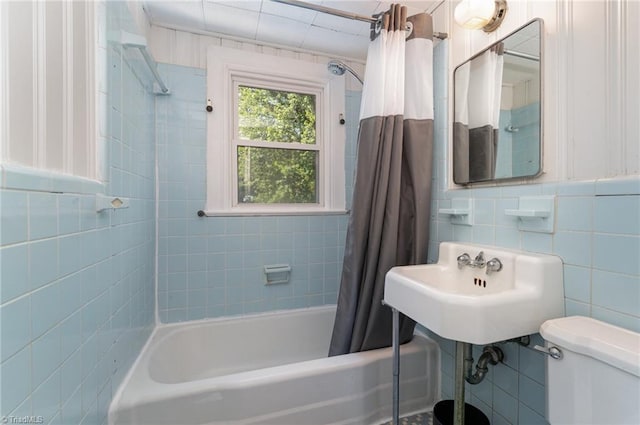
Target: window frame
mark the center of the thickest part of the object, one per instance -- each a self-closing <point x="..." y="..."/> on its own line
<point x="227" y="69"/>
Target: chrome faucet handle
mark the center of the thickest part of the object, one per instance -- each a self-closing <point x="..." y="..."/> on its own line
<point x="494" y="265"/>
<point x="479" y="260"/>
<point x="463" y="260"/>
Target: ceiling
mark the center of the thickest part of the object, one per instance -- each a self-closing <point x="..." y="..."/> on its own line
<point x="275" y="23"/>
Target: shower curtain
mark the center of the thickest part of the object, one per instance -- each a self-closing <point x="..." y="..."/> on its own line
<point x="389" y="223"/>
<point x="478" y="93"/>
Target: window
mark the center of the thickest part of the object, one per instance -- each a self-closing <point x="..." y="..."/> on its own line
<point x="274" y="144"/>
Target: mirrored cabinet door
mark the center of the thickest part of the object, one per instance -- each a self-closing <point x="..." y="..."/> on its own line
<point x="497" y="129"/>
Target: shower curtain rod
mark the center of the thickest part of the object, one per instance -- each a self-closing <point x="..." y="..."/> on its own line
<point x="522" y="55"/>
<point x="342" y="14"/>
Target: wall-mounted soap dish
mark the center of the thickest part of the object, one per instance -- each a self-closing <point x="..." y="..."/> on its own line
<point x="104" y="202"/>
<point x="277" y="273"/>
<point x="461" y="211"/>
<point x="535" y="213"/>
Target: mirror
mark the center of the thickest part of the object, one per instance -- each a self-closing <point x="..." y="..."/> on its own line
<point x="497" y="129"/>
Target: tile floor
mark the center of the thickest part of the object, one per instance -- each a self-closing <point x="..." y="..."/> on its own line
<point x="424" y="418"/>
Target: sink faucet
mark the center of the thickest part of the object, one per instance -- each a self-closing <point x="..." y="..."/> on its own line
<point x="494" y="265"/>
<point x="463" y="260"/>
<point x="478" y="261"/>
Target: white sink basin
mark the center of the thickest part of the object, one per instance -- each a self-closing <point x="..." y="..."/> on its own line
<point x="472" y="306"/>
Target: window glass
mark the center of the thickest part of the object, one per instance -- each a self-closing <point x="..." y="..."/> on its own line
<point x="277" y="176"/>
<point x="276" y="115"/>
<point x="277" y="152"/>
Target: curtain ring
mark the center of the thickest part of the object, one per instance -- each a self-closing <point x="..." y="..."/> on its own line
<point x="408" y="28"/>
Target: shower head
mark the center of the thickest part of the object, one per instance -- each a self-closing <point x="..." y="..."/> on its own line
<point x="338" y="68"/>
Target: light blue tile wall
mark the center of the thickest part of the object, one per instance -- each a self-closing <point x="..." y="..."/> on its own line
<point x="213" y="266"/>
<point x="518" y="153"/>
<point x="526" y="155"/>
<point x="598" y="237"/>
<point x="504" y="155"/>
<point x="77" y="288"/>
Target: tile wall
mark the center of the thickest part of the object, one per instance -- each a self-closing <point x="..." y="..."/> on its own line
<point x="525" y="153"/>
<point x="77" y="287"/>
<point x="504" y="162"/>
<point x="518" y="153"/>
<point x="598" y="237"/>
<point x="213" y="266"/>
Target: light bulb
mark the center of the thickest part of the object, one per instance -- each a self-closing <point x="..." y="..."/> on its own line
<point x="474" y="14"/>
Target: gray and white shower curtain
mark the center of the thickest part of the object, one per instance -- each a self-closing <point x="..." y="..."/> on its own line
<point x="478" y="91"/>
<point x="389" y="223"/>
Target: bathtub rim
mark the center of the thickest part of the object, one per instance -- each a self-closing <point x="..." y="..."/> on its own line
<point x="169" y="328"/>
<point x="239" y="379"/>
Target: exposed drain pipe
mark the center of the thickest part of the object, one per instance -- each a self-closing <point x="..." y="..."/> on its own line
<point x="464" y="364"/>
<point x="490" y="355"/>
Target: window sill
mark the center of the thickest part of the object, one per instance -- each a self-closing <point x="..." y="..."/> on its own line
<point x="272" y="212"/>
<point x="27" y="178"/>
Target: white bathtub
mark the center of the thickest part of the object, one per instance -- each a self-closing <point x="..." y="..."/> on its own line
<point x="269" y="369"/>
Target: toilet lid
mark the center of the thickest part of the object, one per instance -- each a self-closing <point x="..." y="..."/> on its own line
<point x="605" y="342"/>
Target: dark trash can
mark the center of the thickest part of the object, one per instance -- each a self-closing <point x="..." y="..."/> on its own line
<point x="443" y="414"/>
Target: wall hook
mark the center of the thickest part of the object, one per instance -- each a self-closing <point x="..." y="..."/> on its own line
<point x="342" y="121"/>
<point x="209" y="105"/>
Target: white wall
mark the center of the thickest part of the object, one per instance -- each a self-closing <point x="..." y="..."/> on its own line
<point x="190" y="49"/>
<point x="591" y="85"/>
<point x="48" y="85"/>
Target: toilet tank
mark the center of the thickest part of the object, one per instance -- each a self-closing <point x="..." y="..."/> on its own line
<point x="597" y="381"/>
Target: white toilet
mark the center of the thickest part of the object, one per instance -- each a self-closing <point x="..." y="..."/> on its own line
<point x="597" y="380"/>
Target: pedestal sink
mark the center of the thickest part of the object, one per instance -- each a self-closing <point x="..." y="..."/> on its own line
<point x="470" y="302"/>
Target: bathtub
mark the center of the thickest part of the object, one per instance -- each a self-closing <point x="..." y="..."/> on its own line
<point x="269" y="368"/>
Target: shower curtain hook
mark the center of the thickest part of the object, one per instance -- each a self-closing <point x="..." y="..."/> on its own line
<point x="378" y="23"/>
<point x="408" y="29"/>
<point x="376" y="26"/>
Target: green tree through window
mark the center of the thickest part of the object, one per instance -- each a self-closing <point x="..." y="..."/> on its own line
<point x="274" y="174"/>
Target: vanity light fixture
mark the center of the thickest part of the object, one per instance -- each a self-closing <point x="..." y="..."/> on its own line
<point x="477" y="14"/>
